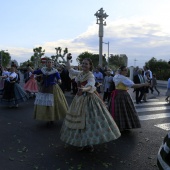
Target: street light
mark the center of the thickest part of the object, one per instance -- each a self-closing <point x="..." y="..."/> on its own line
<point x="107" y="52"/>
<point x="101" y="16"/>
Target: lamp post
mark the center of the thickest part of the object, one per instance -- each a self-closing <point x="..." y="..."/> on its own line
<point x="107" y="52"/>
<point x="101" y="16"/>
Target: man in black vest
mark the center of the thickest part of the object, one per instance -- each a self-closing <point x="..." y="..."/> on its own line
<point x="139" y="79"/>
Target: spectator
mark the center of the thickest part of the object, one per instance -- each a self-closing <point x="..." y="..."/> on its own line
<point x="139" y="79"/>
<point x="154" y="83"/>
<point x="98" y="79"/>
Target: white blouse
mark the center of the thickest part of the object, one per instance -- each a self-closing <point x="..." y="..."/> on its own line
<point x="90" y="82"/>
<point x="122" y="79"/>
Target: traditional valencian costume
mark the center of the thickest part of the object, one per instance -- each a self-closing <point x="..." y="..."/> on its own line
<point x="50" y="102"/>
<point x="88" y="121"/>
<point x="13" y="93"/>
<point x="121" y="105"/>
<point x="31" y="85"/>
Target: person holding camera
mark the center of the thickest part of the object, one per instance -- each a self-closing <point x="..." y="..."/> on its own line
<point x="88" y="121"/>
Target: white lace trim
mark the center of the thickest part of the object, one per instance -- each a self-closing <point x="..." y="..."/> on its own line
<point x="44" y="99"/>
<point x="46" y="72"/>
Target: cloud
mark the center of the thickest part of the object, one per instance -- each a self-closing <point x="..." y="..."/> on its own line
<point x="138" y="38"/>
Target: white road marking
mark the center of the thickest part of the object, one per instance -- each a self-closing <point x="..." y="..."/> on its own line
<point x="164" y="126"/>
<point x="150" y="103"/>
<point x="154" y="116"/>
<point x="159" y="108"/>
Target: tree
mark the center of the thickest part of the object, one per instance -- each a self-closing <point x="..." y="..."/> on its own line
<point x="159" y="67"/>
<point x="5" y="56"/>
<point x="116" y="61"/>
<point x="36" y="58"/>
<point x="93" y="57"/>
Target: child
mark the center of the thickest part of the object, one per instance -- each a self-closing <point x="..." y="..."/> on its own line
<point x="168" y="91"/>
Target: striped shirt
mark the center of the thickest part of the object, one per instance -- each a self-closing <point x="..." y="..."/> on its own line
<point x="163" y="158"/>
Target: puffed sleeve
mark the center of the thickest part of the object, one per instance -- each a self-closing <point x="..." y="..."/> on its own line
<point x="91" y="82"/>
<point x="127" y="82"/>
<point x="73" y="73"/>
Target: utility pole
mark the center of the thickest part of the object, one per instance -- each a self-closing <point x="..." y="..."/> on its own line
<point x="107" y="52"/>
<point x="101" y="16"/>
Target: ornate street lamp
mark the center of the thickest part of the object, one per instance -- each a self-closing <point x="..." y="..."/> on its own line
<point x="101" y="16"/>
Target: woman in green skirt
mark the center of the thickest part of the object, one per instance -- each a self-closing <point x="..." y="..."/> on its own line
<point x="50" y="102"/>
<point x="88" y="121"/>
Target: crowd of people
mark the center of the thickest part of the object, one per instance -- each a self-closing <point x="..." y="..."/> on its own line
<point x="90" y="119"/>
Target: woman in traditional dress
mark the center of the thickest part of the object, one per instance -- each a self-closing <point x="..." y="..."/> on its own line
<point x="50" y="102"/>
<point x="13" y="93"/>
<point x="121" y="105"/>
<point x="31" y="85"/>
<point x="88" y="121"/>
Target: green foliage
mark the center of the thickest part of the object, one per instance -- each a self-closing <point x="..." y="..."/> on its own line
<point x="5" y="58"/>
<point x="116" y="61"/>
<point x="159" y="67"/>
<point x="36" y="58"/>
<point x="93" y="57"/>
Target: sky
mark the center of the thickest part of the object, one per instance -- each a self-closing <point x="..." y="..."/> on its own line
<point x="139" y="29"/>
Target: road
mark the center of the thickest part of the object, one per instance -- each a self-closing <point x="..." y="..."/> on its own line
<point x="27" y="144"/>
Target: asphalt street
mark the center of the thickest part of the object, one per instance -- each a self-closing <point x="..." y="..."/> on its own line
<point x="27" y="144"/>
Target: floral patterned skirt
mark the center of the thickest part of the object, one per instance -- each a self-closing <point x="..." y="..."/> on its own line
<point x="99" y="127"/>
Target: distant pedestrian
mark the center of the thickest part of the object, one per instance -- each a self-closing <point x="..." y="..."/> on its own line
<point x="154" y="83"/>
<point x="139" y="79"/>
<point x="168" y="91"/>
<point x="98" y="79"/>
<point x="108" y="80"/>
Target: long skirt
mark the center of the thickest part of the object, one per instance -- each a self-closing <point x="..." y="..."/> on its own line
<point x="13" y="94"/>
<point x="124" y="112"/>
<point x="50" y="112"/>
<point x="31" y="86"/>
<point x="94" y="123"/>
